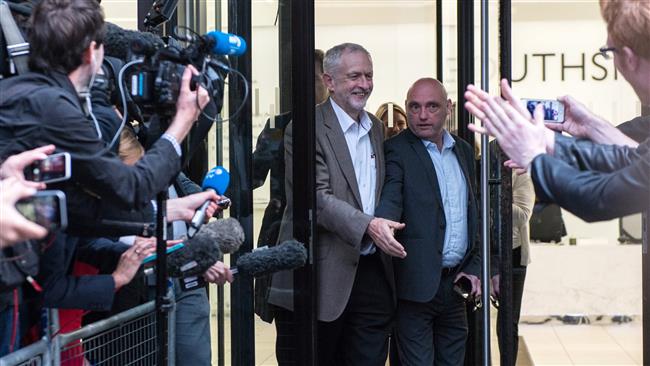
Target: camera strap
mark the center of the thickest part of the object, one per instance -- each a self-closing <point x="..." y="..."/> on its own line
<point x="17" y="47"/>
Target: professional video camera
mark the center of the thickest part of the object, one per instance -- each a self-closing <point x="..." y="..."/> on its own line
<point x="154" y="75"/>
<point x="146" y="70"/>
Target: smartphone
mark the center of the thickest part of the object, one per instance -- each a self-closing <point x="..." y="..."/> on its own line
<point x="463" y="287"/>
<point x="46" y="208"/>
<point x="553" y="109"/>
<point x="54" y="168"/>
<point x="171" y="249"/>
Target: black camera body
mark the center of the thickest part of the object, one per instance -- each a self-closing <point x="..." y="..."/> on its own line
<point x="154" y="83"/>
<point x="156" y="87"/>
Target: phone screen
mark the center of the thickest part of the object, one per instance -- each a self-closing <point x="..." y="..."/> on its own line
<point x="46" y="208"/>
<point x="553" y="109"/>
<point x="54" y="168"/>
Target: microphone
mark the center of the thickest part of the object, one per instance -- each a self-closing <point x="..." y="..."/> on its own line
<point x="199" y="254"/>
<point x="290" y="254"/>
<point x="228" y="233"/>
<point x="217" y="179"/>
<point x="203" y="250"/>
<point x="225" y="43"/>
<point x="118" y="41"/>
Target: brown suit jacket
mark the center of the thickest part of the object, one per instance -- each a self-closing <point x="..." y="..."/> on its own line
<point x="341" y="221"/>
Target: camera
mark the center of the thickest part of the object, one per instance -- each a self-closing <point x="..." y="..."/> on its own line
<point x="154" y="79"/>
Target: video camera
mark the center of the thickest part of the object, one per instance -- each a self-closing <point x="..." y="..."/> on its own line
<point x="154" y="75"/>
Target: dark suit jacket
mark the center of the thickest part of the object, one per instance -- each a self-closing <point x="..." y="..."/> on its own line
<point x="412" y="195"/>
<point x="341" y="221"/>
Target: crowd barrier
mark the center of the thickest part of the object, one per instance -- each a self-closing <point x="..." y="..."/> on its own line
<point x="127" y="338"/>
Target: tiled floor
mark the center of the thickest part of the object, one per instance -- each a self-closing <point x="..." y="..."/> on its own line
<point x="584" y="344"/>
<point x="588" y="345"/>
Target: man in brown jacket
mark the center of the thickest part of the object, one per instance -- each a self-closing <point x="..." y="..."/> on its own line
<point x="356" y="298"/>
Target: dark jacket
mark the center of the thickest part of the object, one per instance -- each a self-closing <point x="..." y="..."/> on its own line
<point x="38" y="109"/>
<point x="594" y="182"/>
<point x="63" y="290"/>
<point x="268" y="157"/>
<point x="411" y="195"/>
<point x="638" y="129"/>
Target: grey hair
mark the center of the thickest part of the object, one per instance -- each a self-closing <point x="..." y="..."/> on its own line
<point x="332" y="58"/>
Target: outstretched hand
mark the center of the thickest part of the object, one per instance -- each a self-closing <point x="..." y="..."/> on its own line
<point x="382" y="233"/>
<point x="520" y="137"/>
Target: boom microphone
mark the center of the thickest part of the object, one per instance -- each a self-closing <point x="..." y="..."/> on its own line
<point x="199" y="254"/>
<point x="117" y="42"/>
<point x="217" y="179"/>
<point x="290" y="254"/>
<point x="228" y="233"/>
<point x="205" y="248"/>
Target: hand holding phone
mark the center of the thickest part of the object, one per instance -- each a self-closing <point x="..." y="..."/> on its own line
<point x="463" y="287"/>
<point x="46" y="208"/>
<point x="553" y="109"/>
<point x="15" y="165"/>
<point x="15" y="227"/>
<point x="54" y="168"/>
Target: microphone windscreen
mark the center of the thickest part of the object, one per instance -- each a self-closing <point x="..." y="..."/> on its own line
<point x="290" y="254"/>
<point x="218" y="179"/>
<point x="227" y="44"/>
<point x="117" y="41"/>
<point x="199" y="254"/>
<point x="227" y="233"/>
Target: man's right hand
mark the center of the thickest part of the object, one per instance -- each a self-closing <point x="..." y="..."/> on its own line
<point x="183" y="208"/>
<point x="188" y="106"/>
<point x="382" y="233"/>
<point x="579" y="122"/>
<point x="15" y="165"/>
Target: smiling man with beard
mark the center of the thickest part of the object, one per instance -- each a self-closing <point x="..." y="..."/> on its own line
<point x="356" y="297"/>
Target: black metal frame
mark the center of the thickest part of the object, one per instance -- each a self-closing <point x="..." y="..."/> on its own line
<point x="465" y="76"/>
<point x="241" y="163"/>
<point x="503" y="219"/>
<point x="304" y="175"/>
<point x="439" y="47"/>
<point x="485" y="194"/>
<point x="645" y="284"/>
<point x="465" y="44"/>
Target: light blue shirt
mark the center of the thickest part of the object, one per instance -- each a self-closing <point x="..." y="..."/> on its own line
<point x="357" y="137"/>
<point x="453" y="191"/>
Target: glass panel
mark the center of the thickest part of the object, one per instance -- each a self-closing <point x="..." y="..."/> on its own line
<point x="554" y="53"/>
<point x="268" y="122"/>
<point x="400" y="35"/>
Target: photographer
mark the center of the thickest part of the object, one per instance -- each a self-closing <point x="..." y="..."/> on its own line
<point x="591" y="180"/>
<point x="47" y="107"/>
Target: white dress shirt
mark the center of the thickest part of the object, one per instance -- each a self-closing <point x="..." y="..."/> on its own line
<point x="357" y="136"/>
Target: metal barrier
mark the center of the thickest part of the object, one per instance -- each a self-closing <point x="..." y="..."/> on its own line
<point x="127" y="338"/>
<point x="36" y="354"/>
